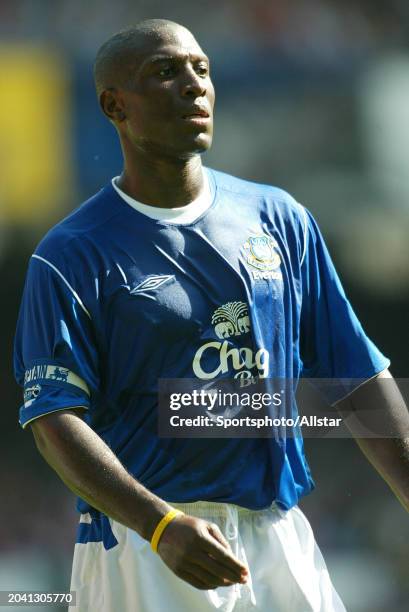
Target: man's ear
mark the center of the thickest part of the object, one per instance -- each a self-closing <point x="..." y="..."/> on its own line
<point x="112" y="106"/>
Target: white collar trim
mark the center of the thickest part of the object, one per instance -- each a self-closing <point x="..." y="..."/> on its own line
<point x="181" y="214"/>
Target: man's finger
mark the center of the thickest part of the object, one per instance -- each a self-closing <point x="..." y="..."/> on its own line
<point x="216" y="568"/>
<point x="192" y="579"/>
<point x="223" y="555"/>
<point x="210" y="578"/>
<point x="216" y="533"/>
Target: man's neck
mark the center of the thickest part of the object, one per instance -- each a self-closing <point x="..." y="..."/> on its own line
<point x="163" y="182"/>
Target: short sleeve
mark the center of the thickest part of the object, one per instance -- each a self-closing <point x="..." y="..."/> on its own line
<point x="333" y="344"/>
<point x="55" y="355"/>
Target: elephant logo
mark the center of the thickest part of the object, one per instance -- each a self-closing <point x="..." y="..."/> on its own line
<point x="231" y="319"/>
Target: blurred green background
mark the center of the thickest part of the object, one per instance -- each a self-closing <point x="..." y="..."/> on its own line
<point x="312" y="96"/>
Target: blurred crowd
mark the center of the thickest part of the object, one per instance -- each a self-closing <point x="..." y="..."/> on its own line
<point x="308" y="31"/>
<point x="312" y="96"/>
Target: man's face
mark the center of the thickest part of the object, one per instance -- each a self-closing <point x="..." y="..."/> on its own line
<point x="168" y="101"/>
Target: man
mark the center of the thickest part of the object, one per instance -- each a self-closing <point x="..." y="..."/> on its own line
<point x="176" y="271"/>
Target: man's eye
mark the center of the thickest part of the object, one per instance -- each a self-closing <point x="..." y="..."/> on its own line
<point x="202" y="70"/>
<point x="165" y="72"/>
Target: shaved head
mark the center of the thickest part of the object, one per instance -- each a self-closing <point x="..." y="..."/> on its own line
<point x="153" y="83"/>
<point x="118" y="57"/>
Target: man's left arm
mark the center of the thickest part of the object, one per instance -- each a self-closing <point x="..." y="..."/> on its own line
<point x="377" y="416"/>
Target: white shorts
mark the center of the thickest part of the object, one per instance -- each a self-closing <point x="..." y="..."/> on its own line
<point x="287" y="571"/>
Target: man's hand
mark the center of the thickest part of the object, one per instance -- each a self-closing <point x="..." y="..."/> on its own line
<point x="193" y="549"/>
<point x="197" y="552"/>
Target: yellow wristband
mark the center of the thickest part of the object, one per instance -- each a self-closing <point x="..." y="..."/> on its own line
<point x="161" y="526"/>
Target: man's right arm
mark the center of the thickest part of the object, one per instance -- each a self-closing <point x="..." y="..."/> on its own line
<point x="193" y="549"/>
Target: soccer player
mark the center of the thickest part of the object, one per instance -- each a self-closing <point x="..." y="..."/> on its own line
<point x="174" y="270"/>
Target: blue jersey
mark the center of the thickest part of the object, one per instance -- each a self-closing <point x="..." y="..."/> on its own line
<point x="115" y="300"/>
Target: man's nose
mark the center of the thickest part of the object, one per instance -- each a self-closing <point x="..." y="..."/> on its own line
<point x="193" y="85"/>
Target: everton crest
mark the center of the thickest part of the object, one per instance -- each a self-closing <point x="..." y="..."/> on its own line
<point x="260" y="252"/>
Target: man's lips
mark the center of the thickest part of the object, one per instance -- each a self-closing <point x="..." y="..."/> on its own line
<point x="198" y="117"/>
<point x="197" y="113"/>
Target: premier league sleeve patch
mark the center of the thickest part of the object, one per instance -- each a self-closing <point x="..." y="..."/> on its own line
<point x="50" y="387"/>
<point x="53" y="374"/>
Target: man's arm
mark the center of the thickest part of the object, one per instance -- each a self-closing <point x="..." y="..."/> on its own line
<point x="193" y="549"/>
<point x="377" y="408"/>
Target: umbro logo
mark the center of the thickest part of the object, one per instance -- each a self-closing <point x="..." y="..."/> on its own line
<point x="152" y="282"/>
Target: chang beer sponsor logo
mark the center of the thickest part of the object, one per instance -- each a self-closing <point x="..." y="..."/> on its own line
<point x="230" y="320"/>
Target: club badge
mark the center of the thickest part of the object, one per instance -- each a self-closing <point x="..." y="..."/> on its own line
<point x="260" y="252"/>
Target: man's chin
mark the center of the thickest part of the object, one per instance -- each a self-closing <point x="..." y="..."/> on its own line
<point x="200" y="144"/>
<point x="186" y="150"/>
<point x="181" y="149"/>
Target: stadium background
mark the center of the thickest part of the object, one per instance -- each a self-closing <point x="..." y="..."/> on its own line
<point x="311" y="96"/>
